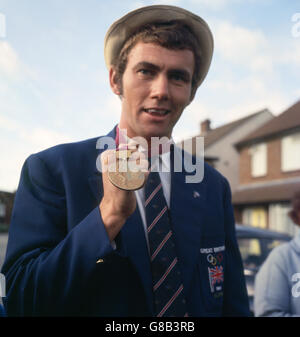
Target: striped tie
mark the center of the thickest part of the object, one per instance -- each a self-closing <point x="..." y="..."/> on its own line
<point x="168" y="293"/>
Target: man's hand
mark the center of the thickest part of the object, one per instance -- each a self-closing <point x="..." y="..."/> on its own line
<point x="116" y="205"/>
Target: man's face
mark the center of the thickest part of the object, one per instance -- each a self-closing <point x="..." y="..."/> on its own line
<point x="156" y="87"/>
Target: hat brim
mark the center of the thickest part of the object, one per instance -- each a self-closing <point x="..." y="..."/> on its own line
<point x="121" y="30"/>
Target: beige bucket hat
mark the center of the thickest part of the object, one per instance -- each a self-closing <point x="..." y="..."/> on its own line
<point x="122" y="29"/>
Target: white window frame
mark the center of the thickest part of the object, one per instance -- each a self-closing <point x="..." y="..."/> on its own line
<point x="258" y="154"/>
<point x="290" y="152"/>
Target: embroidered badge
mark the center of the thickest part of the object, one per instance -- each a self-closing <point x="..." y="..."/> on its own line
<point x="216" y="276"/>
<point x="212" y="250"/>
<point x="196" y="194"/>
<point x="218" y="294"/>
<point x="211" y="259"/>
<point x="219" y="257"/>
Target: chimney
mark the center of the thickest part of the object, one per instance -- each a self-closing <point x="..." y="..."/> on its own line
<point x="205" y="126"/>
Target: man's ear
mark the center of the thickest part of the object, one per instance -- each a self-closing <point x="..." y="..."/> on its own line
<point x="114" y="82"/>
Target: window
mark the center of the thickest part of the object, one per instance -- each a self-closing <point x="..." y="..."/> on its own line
<point x="258" y="160"/>
<point x="255" y="216"/>
<point x="290" y="152"/>
<point x="279" y="219"/>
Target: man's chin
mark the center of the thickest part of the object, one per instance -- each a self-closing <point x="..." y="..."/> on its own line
<point x="153" y="131"/>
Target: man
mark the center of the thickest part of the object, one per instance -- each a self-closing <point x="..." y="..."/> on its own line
<point x="79" y="245"/>
<point x="277" y="284"/>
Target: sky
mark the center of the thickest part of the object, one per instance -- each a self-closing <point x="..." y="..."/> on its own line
<point x="54" y="85"/>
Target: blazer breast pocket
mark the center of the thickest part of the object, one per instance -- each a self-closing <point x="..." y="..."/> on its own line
<point x="211" y="266"/>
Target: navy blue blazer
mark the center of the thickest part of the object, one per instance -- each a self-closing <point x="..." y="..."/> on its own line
<point x="60" y="261"/>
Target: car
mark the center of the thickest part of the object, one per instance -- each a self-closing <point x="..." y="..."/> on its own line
<point x="255" y="244"/>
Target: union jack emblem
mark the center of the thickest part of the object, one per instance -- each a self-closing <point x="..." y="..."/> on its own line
<point x="216" y="275"/>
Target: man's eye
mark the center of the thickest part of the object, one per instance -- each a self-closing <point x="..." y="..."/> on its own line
<point x="178" y="78"/>
<point x="145" y="72"/>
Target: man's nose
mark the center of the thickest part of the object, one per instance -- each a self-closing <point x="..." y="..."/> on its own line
<point x="160" y="88"/>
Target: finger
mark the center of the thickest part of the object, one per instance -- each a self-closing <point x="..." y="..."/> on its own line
<point x="137" y="156"/>
<point x="138" y="162"/>
<point x="128" y="146"/>
<point x="123" y="146"/>
<point x="144" y="164"/>
<point x="108" y="158"/>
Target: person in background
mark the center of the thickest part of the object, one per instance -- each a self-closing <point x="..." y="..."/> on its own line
<point x="277" y="284"/>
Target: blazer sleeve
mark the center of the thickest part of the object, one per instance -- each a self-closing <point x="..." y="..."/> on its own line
<point x="49" y="269"/>
<point x="236" y="301"/>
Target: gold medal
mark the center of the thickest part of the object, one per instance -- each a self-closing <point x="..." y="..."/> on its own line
<point x="121" y="176"/>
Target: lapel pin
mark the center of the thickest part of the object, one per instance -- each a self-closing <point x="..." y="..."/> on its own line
<point x="196" y="194"/>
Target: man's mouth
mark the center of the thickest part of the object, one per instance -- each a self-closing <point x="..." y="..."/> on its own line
<point x="157" y="111"/>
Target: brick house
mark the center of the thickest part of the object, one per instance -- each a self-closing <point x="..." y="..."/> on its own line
<point x="219" y="149"/>
<point x="269" y="173"/>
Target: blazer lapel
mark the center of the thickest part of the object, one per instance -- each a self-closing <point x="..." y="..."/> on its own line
<point x="187" y="207"/>
<point x="185" y="196"/>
